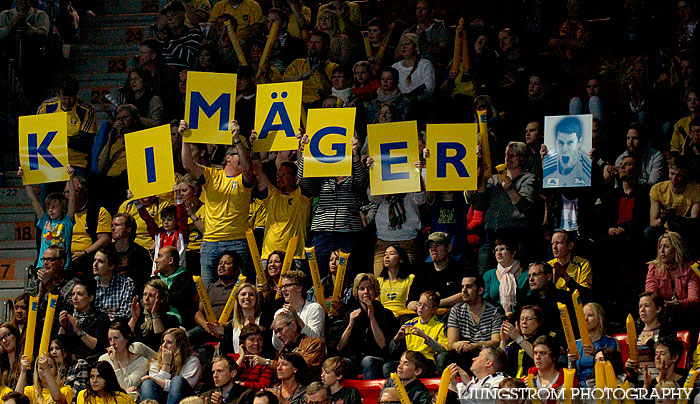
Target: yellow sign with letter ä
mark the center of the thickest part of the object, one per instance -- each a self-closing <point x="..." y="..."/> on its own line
<point x="452" y="164"/>
<point x="329" y="152"/>
<point x="43" y="148"/>
<point x="210" y="102"/>
<point x="394" y="148"/>
<point x="277" y="116"/>
<point x="149" y="161"/>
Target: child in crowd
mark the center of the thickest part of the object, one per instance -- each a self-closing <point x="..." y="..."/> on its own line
<point x="56" y="221"/>
<point x="333" y="371"/>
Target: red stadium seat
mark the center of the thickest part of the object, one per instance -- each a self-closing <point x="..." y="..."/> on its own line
<point x="683" y="337"/>
<point x="370" y="389"/>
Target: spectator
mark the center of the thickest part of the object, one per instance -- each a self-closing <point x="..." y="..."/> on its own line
<point x="12" y="397"/>
<point x="317" y="392"/>
<point x="667" y="353"/>
<point x="73" y="371"/>
<point x="572" y="272"/>
<point x="507" y="282"/>
<point x="340" y="47"/>
<point x="365" y="85"/>
<point x="315" y="70"/>
<point x="190" y="191"/>
<point x="651" y="161"/>
<point x="425" y="334"/>
<point x="377" y="36"/>
<point x="509" y="203"/>
<point x="534" y="138"/>
<point x="292" y="374"/>
<point x="247" y="310"/>
<point x="369" y="326"/>
<point x="255" y="371"/>
<point x="103" y="386"/>
<point x="265" y="397"/>
<point x="131" y="259"/>
<point x="151" y="317"/>
<point x="395" y="279"/>
<point x="594" y="106"/>
<point x="443" y="276"/>
<point x="123" y="354"/>
<point x="114" y="291"/>
<point x="180" y="285"/>
<point x="337" y="308"/>
<point x="388" y="91"/>
<point x="173" y="372"/>
<point x="348" y="11"/>
<point x="226" y="390"/>
<point x="228" y="271"/>
<point x="584" y="359"/>
<point x="227" y="193"/>
<point x="342" y="85"/>
<point x="51" y="278"/>
<point x="286" y="47"/>
<point x="45" y="381"/>
<point x="432" y="34"/>
<point x="92" y="228"/>
<point x="181" y="45"/>
<point x="412" y="365"/>
<point x="82" y="124"/>
<point x="334" y="371"/>
<point x="467" y="332"/>
<point x="10" y="358"/>
<point x="86" y="328"/>
<point x="246" y="13"/>
<point x="519" y="353"/>
<point x="138" y="91"/>
<point x="287" y="329"/>
<point x="309" y="315"/>
<point x="273" y="269"/>
<point x="416" y="74"/>
<point x="486" y="369"/>
<point x="173" y="231"/>
<point x="681" y="129"/>
<point x="546" y="371"/>
<point x="20" y="311"/>
<point x="511" y="383"/>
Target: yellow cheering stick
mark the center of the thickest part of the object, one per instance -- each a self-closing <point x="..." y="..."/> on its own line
<point x="568" y="383"/>
<point x="695" y="268"/>
<point x="457" y="53"/>
<point x="531" y="386"/>
<point x="31" y="327"/>
<point x="204" y="299"/>
<point x="632" y="338"/>
<point x="581" y="319"/>
<point x="501" y="170"/>
<point x="228" y="309"/>
<point x="626" y="386"/>
<point x="48" y="323"/>
<point x="310" y="254"/>
<point x="255" y="255"/>
<point x="444" y="386"/>
<point x="484" y="136"/>
<point x="689" y="383"/>
<point x="368" y="46"/>
<point x="465" y="52"/>
<point x="271" y="38"/>
<point x="568" y="330"/>
<point x="288" y="259"/>
<point x="610" y="379"/>
<point x="340" y="275"/>
<point x="600" y="377"/>
<point x="385" y="43"/>
<point x="400" y="389"/>
<point x="236" y="45"/>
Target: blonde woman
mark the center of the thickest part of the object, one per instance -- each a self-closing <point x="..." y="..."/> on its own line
<point x="189" y="191"/>
<point x="246" y="310"/>
<point x="670" y="275"/>
<point x="48" y="388"/>
<point x="416" y="75"/>
<point x="174" y="371"/>
<point x="340" y="48"/>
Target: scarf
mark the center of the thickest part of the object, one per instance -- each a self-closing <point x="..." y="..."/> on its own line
<point x="397" y="212"/>
<point x="343" y="95"/>
<point x="86" y="318"/>
<point x="382" y="97"/>
<point x="147" y="325"/>
<point x="508" y="286"/>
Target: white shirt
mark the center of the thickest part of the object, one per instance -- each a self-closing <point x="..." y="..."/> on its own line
<point x="465" y="391"/>
<point x="313" y="316"/>
<point x="191" y="371"/>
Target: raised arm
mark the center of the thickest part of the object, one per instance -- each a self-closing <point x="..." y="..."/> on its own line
<point x="243" y="153"/>
<point x="71" y="193"/>
<point x="256" y="162"/>
<point x="38" y="209"/>
<point x="190" y="165"/>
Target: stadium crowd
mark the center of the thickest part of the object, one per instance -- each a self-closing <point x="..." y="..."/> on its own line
<point x="466" y="281"/>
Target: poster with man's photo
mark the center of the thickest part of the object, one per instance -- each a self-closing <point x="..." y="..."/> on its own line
<point x="568" y="140"/>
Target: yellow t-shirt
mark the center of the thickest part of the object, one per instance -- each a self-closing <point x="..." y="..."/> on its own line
<point x="247" y="13"/>
<point x="311" y="86"/>
<point x="119" y="398"/>
<point x="287" y="216"/>
<point x="80" y="118"/>
<point x="67" y="392"/>
<point x="81" y="238"/>
<point x="681" y="204"/>
<point x="434" y="328"/>
<point x="257" y="215"/>
<point x="680" y="131"/>
<point x="200" y="6"/>
<point x="195" y="237"/>
<point x="117" y="156"/>
<point x="142" y="237"/>
<point x="226" y="202"/>
<point x="579" y="269"/>
<point x="354" y="14"/>
<point x="4" y="390"/>
<point x="394" y="295"/>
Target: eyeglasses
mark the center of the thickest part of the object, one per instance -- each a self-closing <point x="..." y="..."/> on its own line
<point x="50" y="259"/>
<point x="289" y="285"/>
<point x="421" y="305"/>
<point x="5" y="337"/>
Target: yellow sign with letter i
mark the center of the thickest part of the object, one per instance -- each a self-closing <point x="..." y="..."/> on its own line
<point x="394" y="148"/>
<point x="329" y="152"/>
<point x="210" y="102"/>
<point x="277" y="116"/>
<point x="149" y="161"/>
<point x="43" y="147"/>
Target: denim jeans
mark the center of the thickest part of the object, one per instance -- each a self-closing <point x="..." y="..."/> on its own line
<point x="179" y="389"/>
<point x="329" y="241"/>
<point x="372" y="368"/>
<point x="212" y="250"/>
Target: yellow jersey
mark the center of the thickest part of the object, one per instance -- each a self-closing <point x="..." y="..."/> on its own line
<point x="142" y="237"/>
<point x="579" y="269"/>
<point x="287" y="216"/>
<point x="434" y="328"/>
<point x="81" y="237"/>
<point x="246" y="13"/>
<point x="226" y="202"/>
<point x="394" y="294"/>
<point x="81" y="118"/>
<point x="67" y="392"/>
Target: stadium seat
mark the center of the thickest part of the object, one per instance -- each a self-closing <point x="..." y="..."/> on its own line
<point x="683" y="337"/>
<point x="370" y="389"/>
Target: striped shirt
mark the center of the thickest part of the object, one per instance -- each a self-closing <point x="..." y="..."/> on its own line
<point x="183" y="50"/>
<point x="339" y="202"/>
<point x="489" y="323"/>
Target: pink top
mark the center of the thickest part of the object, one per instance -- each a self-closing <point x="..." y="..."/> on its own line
<point x="686" y="285"/>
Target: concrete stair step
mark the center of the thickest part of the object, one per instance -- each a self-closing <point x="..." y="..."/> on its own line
<point x="123" y="20"/>
<point x="104" y="64"/>
<point x="131" y="6"/>
<point x="130" y="34"/>
<point x="104" y="50"/>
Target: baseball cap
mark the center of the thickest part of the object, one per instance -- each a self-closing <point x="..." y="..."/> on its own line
<point x="438" y="237"/>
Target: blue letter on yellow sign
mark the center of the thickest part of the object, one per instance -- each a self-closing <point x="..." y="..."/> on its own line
<point x="394" y="149"/>
<point x="388" y="161"/>
<point x="220" y="104"/>
<point x="42" y="150"/>
<point x="339" y="148"/>
<point x="452" y="157"/>
<point x="456" y="160"/>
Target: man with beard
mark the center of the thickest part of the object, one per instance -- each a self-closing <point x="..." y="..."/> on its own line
<point x="650" y="162"/>
<point x="315" y="70"/>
